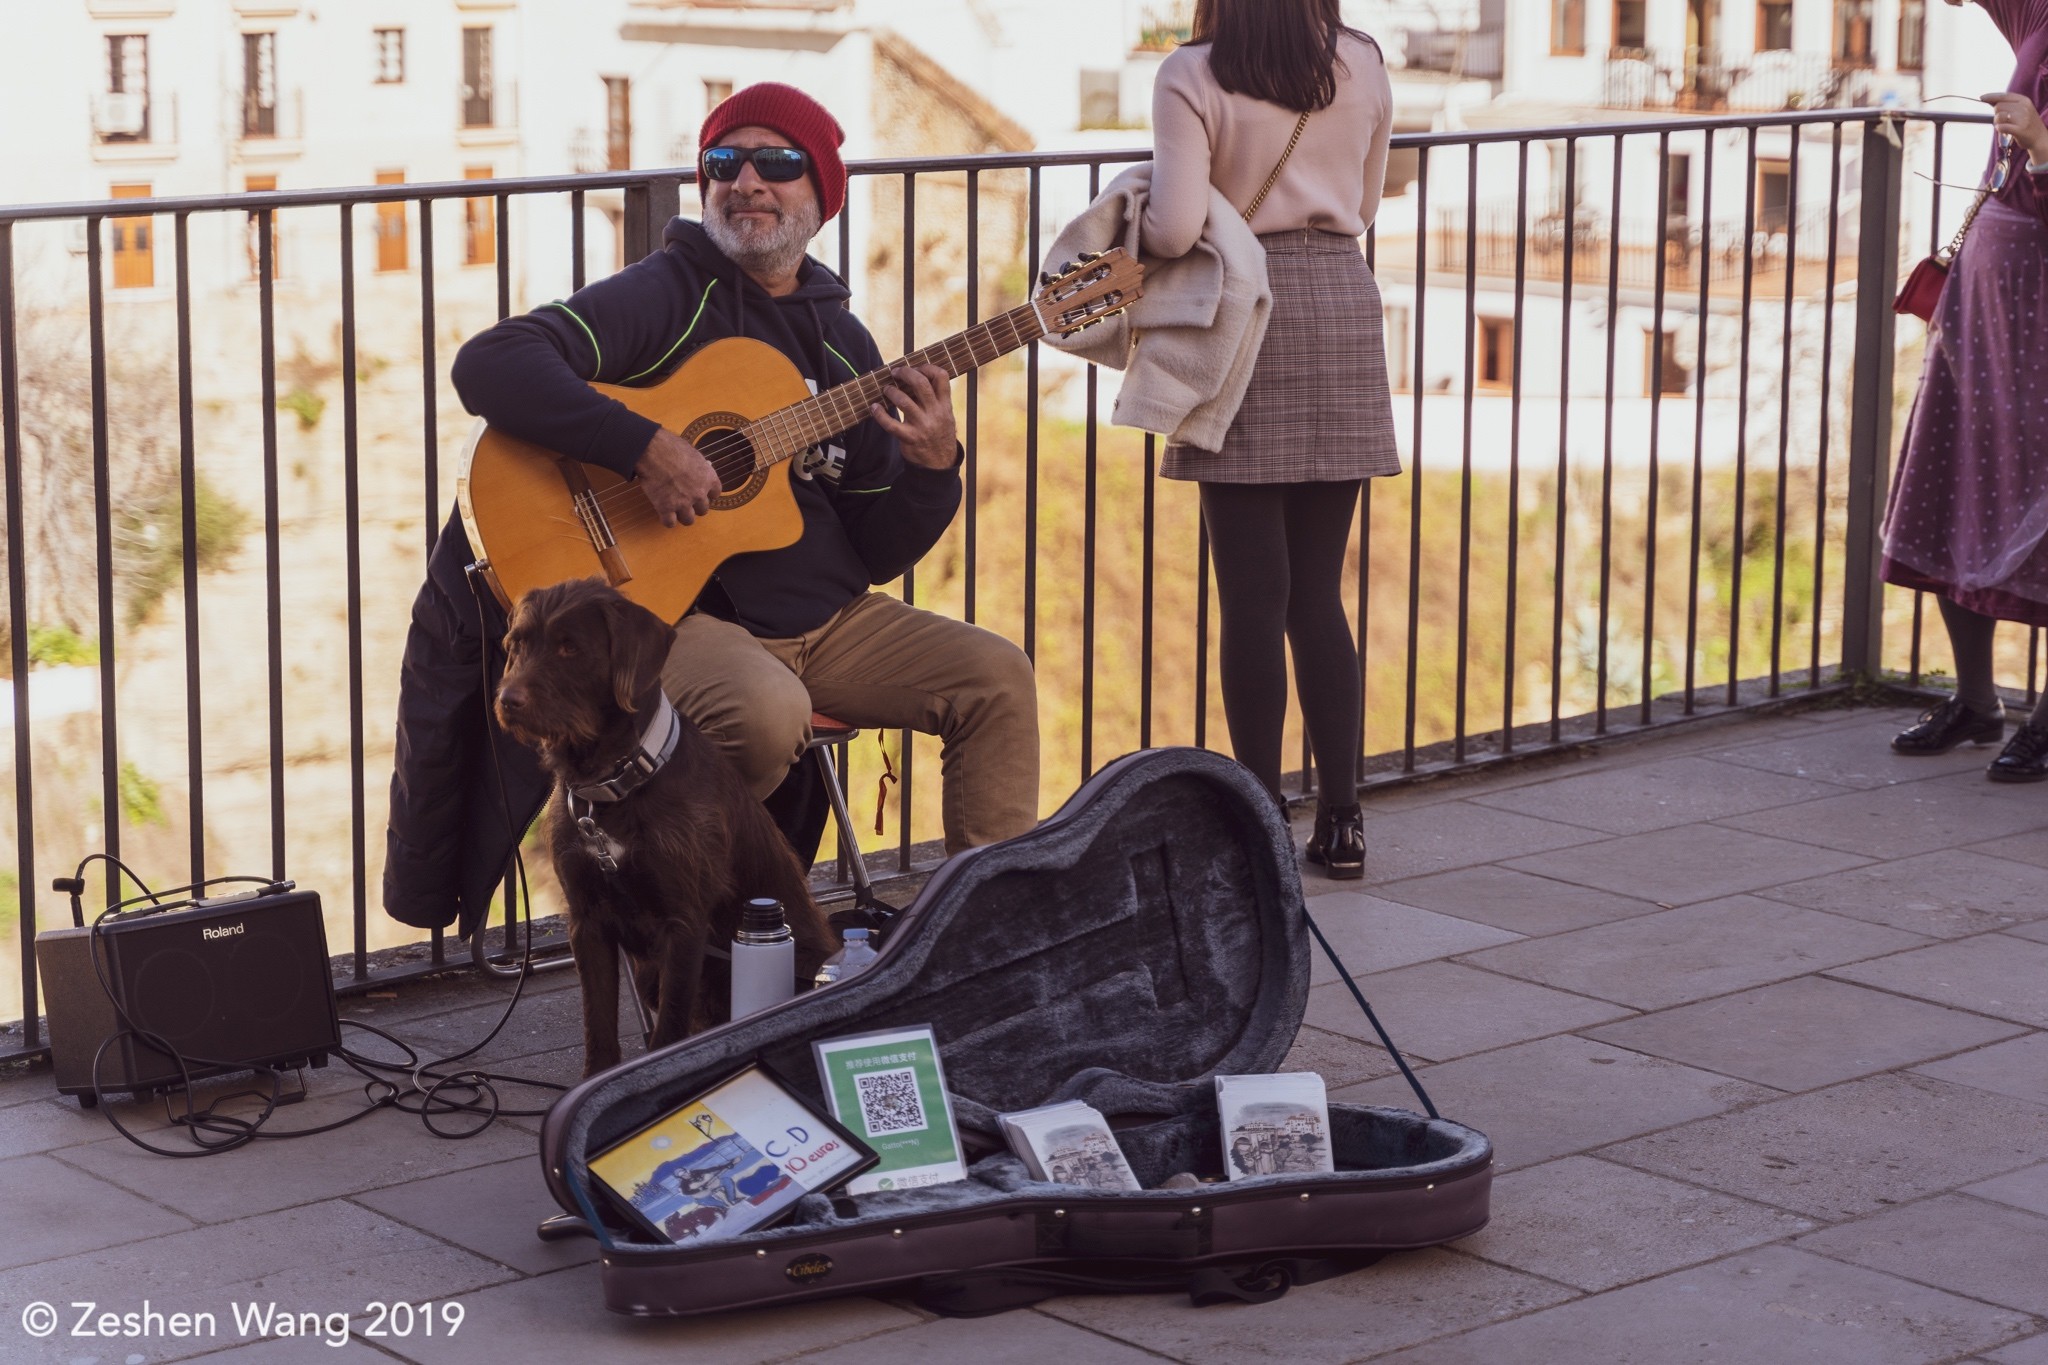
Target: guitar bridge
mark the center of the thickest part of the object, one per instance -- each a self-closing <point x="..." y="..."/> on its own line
<point x="591" y="513"/>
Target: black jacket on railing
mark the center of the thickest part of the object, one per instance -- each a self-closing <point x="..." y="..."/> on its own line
<point x="868" y="516"/>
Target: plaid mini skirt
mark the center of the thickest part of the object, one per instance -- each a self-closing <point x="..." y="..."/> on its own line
<point x="1318" y="409"/>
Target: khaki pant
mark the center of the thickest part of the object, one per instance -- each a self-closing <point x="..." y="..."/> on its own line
<point x="877" y="664"/>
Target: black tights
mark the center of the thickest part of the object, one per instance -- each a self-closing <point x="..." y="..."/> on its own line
<point x="1969" y="638"/>
<point x="1279" y="552"/>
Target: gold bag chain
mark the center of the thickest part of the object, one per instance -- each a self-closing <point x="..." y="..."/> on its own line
<point x="1267" y="188"/>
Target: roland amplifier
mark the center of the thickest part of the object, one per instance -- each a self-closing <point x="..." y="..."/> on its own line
<point x="240" y="982"/>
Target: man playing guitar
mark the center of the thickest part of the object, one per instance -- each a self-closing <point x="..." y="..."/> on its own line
<point x="777" y="633"/>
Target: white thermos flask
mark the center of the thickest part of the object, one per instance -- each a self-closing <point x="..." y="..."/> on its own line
<point x="763" y="959"/>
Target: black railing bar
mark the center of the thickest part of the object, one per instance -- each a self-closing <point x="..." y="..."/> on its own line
<point x="273" y="541"/>
<point x="501" y="249"/>
<point x="1201" y="632"/>
<point x="1031" y="406"/>
<point x="1564" y="417"/>
<point x="907" y="792"/>
<point x="1827" y="378"/>
<point x="1415" y="467"/>
<point x="1090" y="447"/>
<point x="1461" y="667"/>
<point x="576" y="252"/>
<point x="1913" y="664"/>
<point x="1360" y="627"/>
<point x="2033" y="664"/>
<point x="429" y="384"/>
<point x="970" y="470"/>
<point x="17" y="643"/>
<point x="1699" y="432"/>
<point x="1613" y="329"/>
<point x="1652" y="489"/>
<point x="352" y="543"/>
<point x="1145" y="592"/>
<point x="188" y="526"/>
<point x="1784" y="420"/>
<point x="1738" y="548"/>
<point x="1514" y="558"/>
<point x="103" y="536"/>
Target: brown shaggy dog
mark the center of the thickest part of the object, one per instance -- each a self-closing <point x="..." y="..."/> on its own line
<point x="582" y="680"/>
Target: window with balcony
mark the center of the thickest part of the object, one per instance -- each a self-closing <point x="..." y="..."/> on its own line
<point x="134" y="247"/>
<point x="1631" y="25"/>
<point x="123" y="111"/>
<point x="1661" y="371"/>
<point x="392" y="250"/>
<point x="1494" y="366"/>
<point x="1774" y="26"/>
<point x="479" y="223"/>
<point x="389" y="52"/>
<point x="1773" y="196"/>
<point x="1853" y="22"/>
<point x="256" y="184"/>
<point x="1395" y="319"/>
<point x="259" y="85"/>
<point x="1568" y="27"/>
<point x="618" y="123"/>
<point x="1912" y="35"/>
<point x="715" y="94"/>
<point x="477" y="100"/>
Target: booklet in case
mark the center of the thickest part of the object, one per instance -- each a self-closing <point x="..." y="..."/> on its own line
<point x="890" y="1089"/>
<point x="1069" y="1144"/>
<point x="1274" y="1125"/>
<point x="735" y="1158"/>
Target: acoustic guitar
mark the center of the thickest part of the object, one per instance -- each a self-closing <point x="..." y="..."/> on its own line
<point x="536" y="518"/>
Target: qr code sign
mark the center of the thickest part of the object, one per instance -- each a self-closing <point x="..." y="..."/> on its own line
<point x="889" y="1102"/>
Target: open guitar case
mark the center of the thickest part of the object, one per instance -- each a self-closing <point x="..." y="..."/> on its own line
<point x="1145" y="938"/>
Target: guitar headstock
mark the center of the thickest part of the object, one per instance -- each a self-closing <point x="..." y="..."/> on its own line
<point x="1085" y="292"/>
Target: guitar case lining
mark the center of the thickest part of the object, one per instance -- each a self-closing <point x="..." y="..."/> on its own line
<point x="1145" y="938"/>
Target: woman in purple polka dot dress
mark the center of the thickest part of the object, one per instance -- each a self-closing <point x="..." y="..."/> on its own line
<point x="1969" y="511"/>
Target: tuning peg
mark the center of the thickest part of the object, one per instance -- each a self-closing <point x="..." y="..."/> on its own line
<point x="1045" y="277"/>
<point x="1088" y="256"/>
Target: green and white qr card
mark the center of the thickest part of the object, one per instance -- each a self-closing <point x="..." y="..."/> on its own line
<point x="890" y="1090"/>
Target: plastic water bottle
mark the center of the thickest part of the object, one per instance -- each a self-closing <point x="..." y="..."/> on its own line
<point x="763" y="959"/>
<point x="854" y="957"/>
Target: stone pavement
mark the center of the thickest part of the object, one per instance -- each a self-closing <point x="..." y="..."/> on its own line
<point x="1756" y="1015"/>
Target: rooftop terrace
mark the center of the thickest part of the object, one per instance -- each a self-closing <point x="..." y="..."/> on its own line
<point x="1752" y="1009"/>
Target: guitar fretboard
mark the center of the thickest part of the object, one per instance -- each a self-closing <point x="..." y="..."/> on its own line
<point x="800" y="426"/>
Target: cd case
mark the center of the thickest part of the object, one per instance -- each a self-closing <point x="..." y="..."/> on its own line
<point x="1276" y="1124"/>
<point x="1069" y="1144"/>
<point x="735" y="1158"/>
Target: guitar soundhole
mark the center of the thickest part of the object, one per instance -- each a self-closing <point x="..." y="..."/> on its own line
<point x="718" y="435"/>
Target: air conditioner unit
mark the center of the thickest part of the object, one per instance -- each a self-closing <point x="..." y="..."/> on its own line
<point x="119" y="111"/>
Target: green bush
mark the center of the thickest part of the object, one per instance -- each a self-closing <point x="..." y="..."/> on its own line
<point x="142" y="800"/>
<point x="159" y="533"/>
<point x="60" y="645"/>
<point x="305" y="405"/>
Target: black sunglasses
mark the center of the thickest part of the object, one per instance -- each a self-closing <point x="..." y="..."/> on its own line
<point x="770" y="163"/>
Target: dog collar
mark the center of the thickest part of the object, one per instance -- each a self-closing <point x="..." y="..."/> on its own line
<point x="657" y="745"/>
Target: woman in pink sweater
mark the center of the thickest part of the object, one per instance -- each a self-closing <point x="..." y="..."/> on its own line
<point x="1266" y="84"/>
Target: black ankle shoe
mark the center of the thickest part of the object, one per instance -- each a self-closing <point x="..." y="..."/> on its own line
<point x="1338" y="843"/>
<point x="1947" y="725"/>
<point x="2025" y="758"/>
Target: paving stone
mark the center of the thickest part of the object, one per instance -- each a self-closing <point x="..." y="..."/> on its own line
<point x="2036" y="932"/>
<point x="1443" y="1010"/>
<point x="1374" y="935"/>
<point x="57" y="1121"/>
<point x="1023" y="1338"/>
<point x="1520" y="902"/>
<point x="1772" y="1304"/>
<point x="1403" y="1299"/>
<point x="1995" y="974"/>
<point x="2032" y="1351"/>
<point x="1858" y="754"/>
<point x="51" y="1210"/>
<point x="1945" y="894"/>
<point x="1660" y="795"/>
<point x="1596" y="1225"/>
<point x="1693" y="952"/>
<point x="491" y="1210"/>
<point x="385" y="1148"/>
<point x="1556" y="1096"/>
<point x="1851" y="1149"/>
<point x="1897" y="822"/>
<point x="2027" y="1189"/>
<point x="1688" y="865"/>
<point x="1806" y="1033"/>
<point x="562" y="1317"/>
<point x="2018" y="1068"/>
<point x="1455" y="834"/>
<point x="325" y="1258"/>
<point x="2030" y="847"/>
<point x="297" y="1350"/>
<point x="1988" y="1251"/>
<point x="1337" y="1059"/>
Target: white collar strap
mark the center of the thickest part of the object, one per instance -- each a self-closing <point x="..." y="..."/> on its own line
<point x="657" y="745"/>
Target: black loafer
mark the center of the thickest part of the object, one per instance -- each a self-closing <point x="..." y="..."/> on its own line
<point x="1947" y="725"/>
<point x="2025" y="758"/>
<point x="1338" y="844"/>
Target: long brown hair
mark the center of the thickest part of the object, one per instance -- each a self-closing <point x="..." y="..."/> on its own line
<point x="1281" y="51"/>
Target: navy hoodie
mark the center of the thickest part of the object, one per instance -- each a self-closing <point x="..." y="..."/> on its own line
<point x="868" y="514"/>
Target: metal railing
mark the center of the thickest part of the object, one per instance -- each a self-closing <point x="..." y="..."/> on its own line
<point x="1571" y="553"/>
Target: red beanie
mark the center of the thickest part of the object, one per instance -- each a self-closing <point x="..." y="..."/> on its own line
<point x="790" y="112"/>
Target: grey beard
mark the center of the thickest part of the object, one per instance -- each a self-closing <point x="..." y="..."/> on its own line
<point x="775" y="251"/>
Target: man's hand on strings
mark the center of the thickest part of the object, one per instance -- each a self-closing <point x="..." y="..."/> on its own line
<point x="923" y="394"/>
<point x="676" y="478"/>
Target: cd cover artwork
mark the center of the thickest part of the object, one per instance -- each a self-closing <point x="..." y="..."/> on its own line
<point x="1276" y="1138"/>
